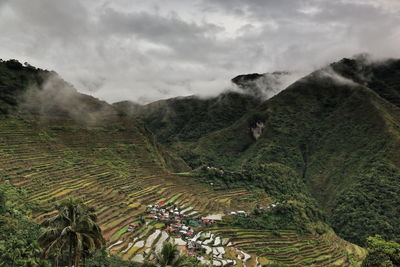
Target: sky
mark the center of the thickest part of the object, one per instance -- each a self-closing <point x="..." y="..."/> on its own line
<point x="155" y="49"/>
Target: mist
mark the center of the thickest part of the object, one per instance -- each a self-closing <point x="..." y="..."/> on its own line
<point x="54" y="99"/>
<point x="149" y="50"/>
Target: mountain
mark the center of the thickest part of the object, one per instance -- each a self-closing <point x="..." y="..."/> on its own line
<point x="263" y="86"/>
<point x="57" y="143"/>
<point x="336" y="133"/>
<point x="179" y="122"/>
<point x="41" y="98"/>
<point x="383" y="77"/>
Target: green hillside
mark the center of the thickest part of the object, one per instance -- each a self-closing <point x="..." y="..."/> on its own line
<point x="338" y="138"/>
<point x="180" y="122"/>
<point x="332" y="136"/>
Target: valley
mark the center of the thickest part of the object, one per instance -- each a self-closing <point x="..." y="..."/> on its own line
<point x="121" y="176"/>
<point x="291" y="165"/>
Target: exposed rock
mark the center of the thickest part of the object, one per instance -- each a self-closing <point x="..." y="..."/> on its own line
<point x="257" y="130"/>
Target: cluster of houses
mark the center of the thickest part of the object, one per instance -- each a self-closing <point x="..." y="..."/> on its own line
<point x="175" y="220"/>
<point x="183" y="224"/>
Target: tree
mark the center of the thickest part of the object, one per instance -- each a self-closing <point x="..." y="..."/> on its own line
<point x="18" y="234"/>
<point x="169" y="256"/>
<point x="381" y="253"/>
<point x="73" y="228"/>
<point x="102" y="259"/>
<point x="2" y="202"/>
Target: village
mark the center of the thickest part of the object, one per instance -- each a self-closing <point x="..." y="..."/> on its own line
<point x="188" y="229"/>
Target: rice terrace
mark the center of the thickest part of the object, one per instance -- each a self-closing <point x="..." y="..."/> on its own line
<point x="121" y="176"/>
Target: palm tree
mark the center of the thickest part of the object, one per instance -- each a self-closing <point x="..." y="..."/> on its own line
<point x="169" y="256"/>
<point x="72" y="228"/>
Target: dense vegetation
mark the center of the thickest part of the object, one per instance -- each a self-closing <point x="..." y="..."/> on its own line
<point x="382" y="253"/>
<point x="333" y="135"/>
<point x="18" y="234"/>
<point x="370" y="205"/>
<point x="21" y="239"/>
<point x="179" y="122"/>
<point x="284" y="186"/>
<point x="71" y="232"/>
<point x="14" y="79"/>
<point x="383" y="77"/>
<point x="296" y="216"/>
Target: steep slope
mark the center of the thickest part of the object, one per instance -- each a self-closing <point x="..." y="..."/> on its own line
<point x="179" y="122"/>
<point x="42" y="97"/>
<point x="383" y="76"/>
<point x="189" y="118"/>
<point x="340" y="138"/>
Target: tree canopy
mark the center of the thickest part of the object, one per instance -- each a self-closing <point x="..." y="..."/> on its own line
<point x="73" y="228"/>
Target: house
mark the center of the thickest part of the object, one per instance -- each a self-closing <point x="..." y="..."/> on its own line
<point x="192" y="245"/>
<point x="153" y="210"/>
<point x="132" y="227"/>
<point x="242" y="213"/>
<point x="183" y="232"/>
<point x="190" y="233"/>
<point x="170" y="229"/>
<point x="176" y="226"/>
<point x="193" y="223"/>
<point x="207" y="221"/>
<point x="161" y="204"/>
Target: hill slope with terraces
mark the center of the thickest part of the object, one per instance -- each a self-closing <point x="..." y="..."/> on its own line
<point x="56" y="143"/>
<point x="118" y="180"/>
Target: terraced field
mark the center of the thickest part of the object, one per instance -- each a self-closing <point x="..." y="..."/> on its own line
<point x="119" y="170"/>
<point x="288" y="247"/>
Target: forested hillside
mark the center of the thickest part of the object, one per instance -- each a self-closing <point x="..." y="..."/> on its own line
<point x="335" y="133"/>
<point x="179" y="123"/>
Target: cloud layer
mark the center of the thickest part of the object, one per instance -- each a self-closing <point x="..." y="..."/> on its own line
<point x="147" y="50"/>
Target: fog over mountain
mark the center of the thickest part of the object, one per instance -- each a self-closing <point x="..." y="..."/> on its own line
<point x="148" y="50"/>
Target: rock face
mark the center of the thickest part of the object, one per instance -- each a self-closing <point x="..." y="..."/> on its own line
<point x="257" y="130"/>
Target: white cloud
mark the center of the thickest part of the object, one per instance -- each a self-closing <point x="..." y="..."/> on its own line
<point x="147" y="50"/>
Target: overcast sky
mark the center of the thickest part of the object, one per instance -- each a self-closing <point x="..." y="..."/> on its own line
<point x="151" y="49"/>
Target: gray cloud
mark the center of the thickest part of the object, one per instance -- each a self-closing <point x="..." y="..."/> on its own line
<point x="147" y="50"/>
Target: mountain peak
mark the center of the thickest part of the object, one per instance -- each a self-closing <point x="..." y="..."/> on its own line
<point x="264" y="85"/>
